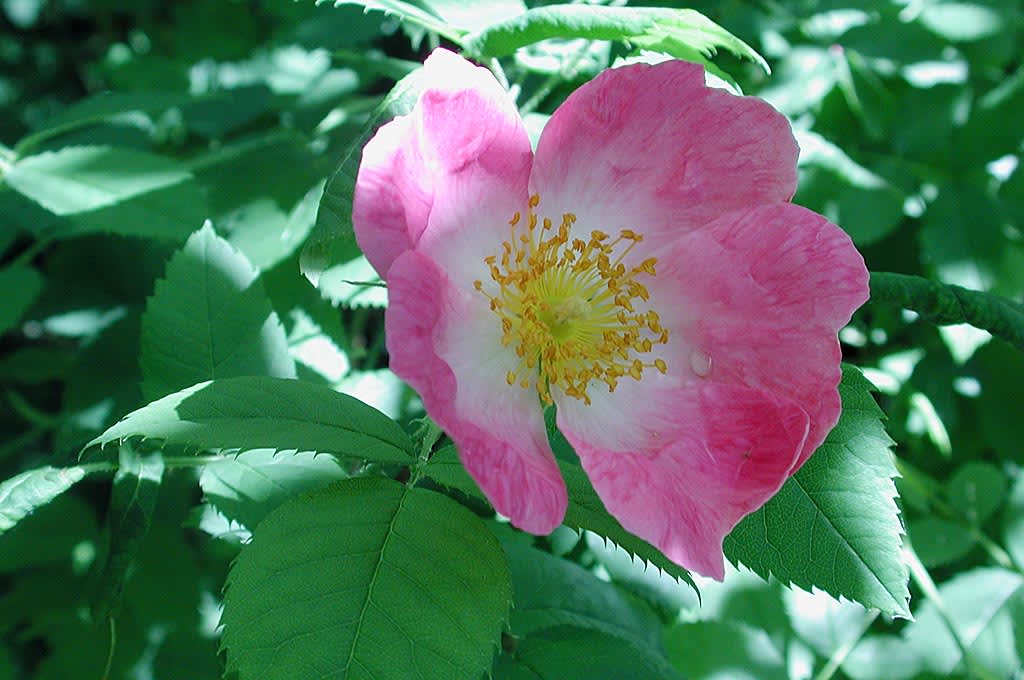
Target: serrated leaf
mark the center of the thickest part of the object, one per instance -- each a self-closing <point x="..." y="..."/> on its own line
<point x="834" y="525"/>
<point x="569" y="653"/>
<point x="585" y="511"/>
<point x="21" y="285"/>
<point x="209" y="318"/>
<point x="548" y="591"/>
<point x="260" y="413"/>
<point x="136" y="487"/>
<point x="248" y="486"/>
<point x="449" y="18"/>
<point x="366" y="579"/>
<point x="419" y="13"/>
<point x="22" y="494"/>
<point x="84" y="178"/>
<point x="682" y="33"/>
<point x="332" y="241"/>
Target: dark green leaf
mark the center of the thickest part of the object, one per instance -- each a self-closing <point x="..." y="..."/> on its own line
<point x="976" y="490"/>
<point x="939" y="542"/>
<point x="22" y="494"/>
<point x="209" y="319"/>
<point x="21" y="286"/>
<point x="568" y="653"/>
<point x="259" y="412"/>
<point x="1001" y="373"/>
<point x="682" y="33"/>
<point x="248" y="486"/>
<point x="65" y="522"/>
<point x="723" y="649"/>
<point x="134" y="496"/>
<point x="367" y="579"/>
<point x="834" y="525"/>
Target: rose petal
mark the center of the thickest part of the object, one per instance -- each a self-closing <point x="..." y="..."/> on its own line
<point x="456" y="166"/>
<point x="446" y="343"/>
<point x="653" y="147"/>
<point x="762" y="294"/>
<point x="720" y="452"/>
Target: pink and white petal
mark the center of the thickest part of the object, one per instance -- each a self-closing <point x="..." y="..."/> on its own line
<point x="725" y="451"/>
<point x="446" y="343"/>
<point x="763" y="294"/>
<point x="652" y="148"/>
<point x="457" y="164"/>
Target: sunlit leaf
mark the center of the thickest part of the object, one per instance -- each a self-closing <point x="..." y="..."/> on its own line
<point x="336" y="582"/>
<point x="22" y="494"/>
<point x="260" y="413"/>
<point x="208" y="319"/>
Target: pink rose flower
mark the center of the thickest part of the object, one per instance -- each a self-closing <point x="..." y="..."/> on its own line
<point x="643" y="271"/>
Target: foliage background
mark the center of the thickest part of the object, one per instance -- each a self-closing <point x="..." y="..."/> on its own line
<point x="126" y="125"/>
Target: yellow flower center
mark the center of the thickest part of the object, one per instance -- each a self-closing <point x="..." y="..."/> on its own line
<point x="570" y="308"/>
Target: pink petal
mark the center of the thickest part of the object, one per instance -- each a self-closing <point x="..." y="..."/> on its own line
<point x="764" y="293"/>
<point x="457" y="164"/>
<point x="446" y="343"/>
<point x="719" y="452"/>
<point x="651" y="147"/>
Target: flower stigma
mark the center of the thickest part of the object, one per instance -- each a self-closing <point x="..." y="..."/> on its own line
<point x="570" y="308"/>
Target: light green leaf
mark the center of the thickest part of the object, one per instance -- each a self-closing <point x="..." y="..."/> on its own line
<point x="977" y="602"/>
<point x="21" y="285"/>
<point x="449" y="18"/>
<point x="834" y="525"/>
<point x="78" y="179"/>
<point x="260" y="412"/>
<point x="715" y="650"/>
<point x="332" y="241"/>
<point x="209" y="319"/>
<point x="1013" y="521"/>
<point x="569" y="653"/>
<point x="682" y="33"/>
<point x="136" y="487"/>
<point x="417" y="12"/>
<point x="949" y="304"/>
<point x="962" y="21"/>
<point x="248" y="486"/>
<point x="367" y="579"/>
<point x="548" y="591"/>
<point x="22" y="494"/>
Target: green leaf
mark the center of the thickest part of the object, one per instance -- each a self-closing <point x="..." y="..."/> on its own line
<point x="66" y="522"/>
<point x="448" y="18"/>
<point x="1013" y="521"/>
<point x="978" y="603"/>
<point x="209" y="319"/>
<point x="723" y="649"/>
<point x="259" y="412"/>
<point x="938" y="541"/>
<point x="367" y="579"/>
<point x="332" y="241"/>
<point x="948" y="304"/>
<point x="548" y="591"/>
<point x="248" y="486"/>
<point x="21" y="285"/>
<point x="78" y="179"/>
<point x="976" y="490"/>
<point x="419" y="13"/>
<point x="1001" y="372"/>
<point x="962" y="21"/>
<point x="22" y="494"/>
<point x="834" y="525"/>
<point x="569" y="653"/>
<point x="682" y="33"/>
<point x="134" y="496"/>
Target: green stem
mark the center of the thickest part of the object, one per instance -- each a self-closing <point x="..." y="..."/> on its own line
<point x="191" y="461"/>
<point x="923" y="579"/>
<point x="839" y="656"/>
<point x="947" y="304"/>
<point x="113" y="646"/>
<point x="427" y="435"/>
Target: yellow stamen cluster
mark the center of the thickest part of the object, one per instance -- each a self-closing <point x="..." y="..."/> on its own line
<point x="572" y="313"/>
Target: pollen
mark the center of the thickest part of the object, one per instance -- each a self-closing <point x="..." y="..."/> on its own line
<point x="574" y="314"/>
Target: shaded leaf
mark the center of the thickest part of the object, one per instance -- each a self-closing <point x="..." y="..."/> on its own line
<point x="259" y="412"/>
<point x="723" y="649"/>
<point x="21" y="285"/>
<point x="336" y="582"/>
<point x="208" y="319"/>
<point x="834" y="525"/>
<point x="248" y="486"/>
